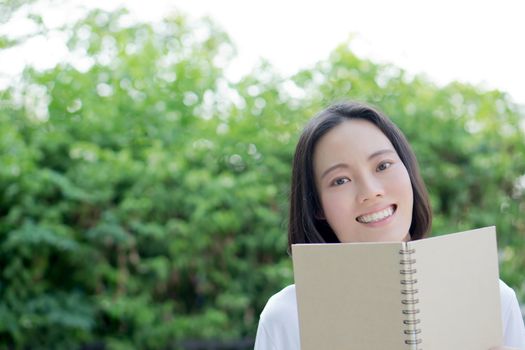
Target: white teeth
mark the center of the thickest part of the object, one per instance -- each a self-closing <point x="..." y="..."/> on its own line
<point x="380" y="215"/>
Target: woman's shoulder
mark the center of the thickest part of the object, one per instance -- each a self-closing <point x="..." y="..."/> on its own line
<point x="281" y="306"/>
<point x="279" y="325"/>
<point x="513" y="328"/>
<point x="509" y="301"/>
<point x="507" y="294"/>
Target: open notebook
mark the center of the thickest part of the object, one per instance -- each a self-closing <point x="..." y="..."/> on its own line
<point x="435" y="293"/>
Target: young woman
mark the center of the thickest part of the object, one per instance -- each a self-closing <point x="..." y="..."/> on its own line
<point x="356" y="179"/>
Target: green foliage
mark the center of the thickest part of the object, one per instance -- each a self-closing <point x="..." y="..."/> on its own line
<point x="144" y="196"/>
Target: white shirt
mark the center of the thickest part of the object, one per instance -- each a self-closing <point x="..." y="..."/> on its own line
<point x="279" y="326"/>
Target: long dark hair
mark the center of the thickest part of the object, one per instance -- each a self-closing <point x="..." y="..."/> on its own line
<point x="305" y="224"/>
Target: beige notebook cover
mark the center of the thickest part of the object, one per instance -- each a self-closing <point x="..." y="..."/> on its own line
<point x="432" y="294"/>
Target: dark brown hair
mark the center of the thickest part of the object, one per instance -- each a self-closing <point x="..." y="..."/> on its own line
<point x="305" y="226"/>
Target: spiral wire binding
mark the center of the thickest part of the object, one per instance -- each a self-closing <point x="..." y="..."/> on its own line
<point x="409" y="291"/>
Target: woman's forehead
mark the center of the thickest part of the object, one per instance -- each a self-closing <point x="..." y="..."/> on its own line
<point x="354" y="139"/>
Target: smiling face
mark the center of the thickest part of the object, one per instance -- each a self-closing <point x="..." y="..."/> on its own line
<point x="363" y="186"/>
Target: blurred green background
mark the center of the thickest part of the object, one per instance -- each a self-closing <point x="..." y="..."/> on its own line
<point x="143" y="195"/>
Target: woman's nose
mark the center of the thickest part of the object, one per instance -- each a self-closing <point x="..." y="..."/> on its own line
<point x="369" y="188"/>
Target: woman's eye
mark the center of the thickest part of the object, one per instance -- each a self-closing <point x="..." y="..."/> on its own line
<point x="384" y="166"/>
<point x="340" y="181"/>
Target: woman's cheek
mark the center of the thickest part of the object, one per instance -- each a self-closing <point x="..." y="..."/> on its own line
<point x="336" y="208"/>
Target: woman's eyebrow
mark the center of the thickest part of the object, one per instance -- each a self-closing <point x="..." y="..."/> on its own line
<point x="333" y="167"/>
<point x="380" y="152"/>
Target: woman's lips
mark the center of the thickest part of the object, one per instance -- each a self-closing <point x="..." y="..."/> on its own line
<point x="377" y="216"/>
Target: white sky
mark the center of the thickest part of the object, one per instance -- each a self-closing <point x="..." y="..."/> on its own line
<point x="480" y="42"/>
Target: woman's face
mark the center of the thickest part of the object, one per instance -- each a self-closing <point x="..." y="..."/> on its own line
<point x="364" y="187"/>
